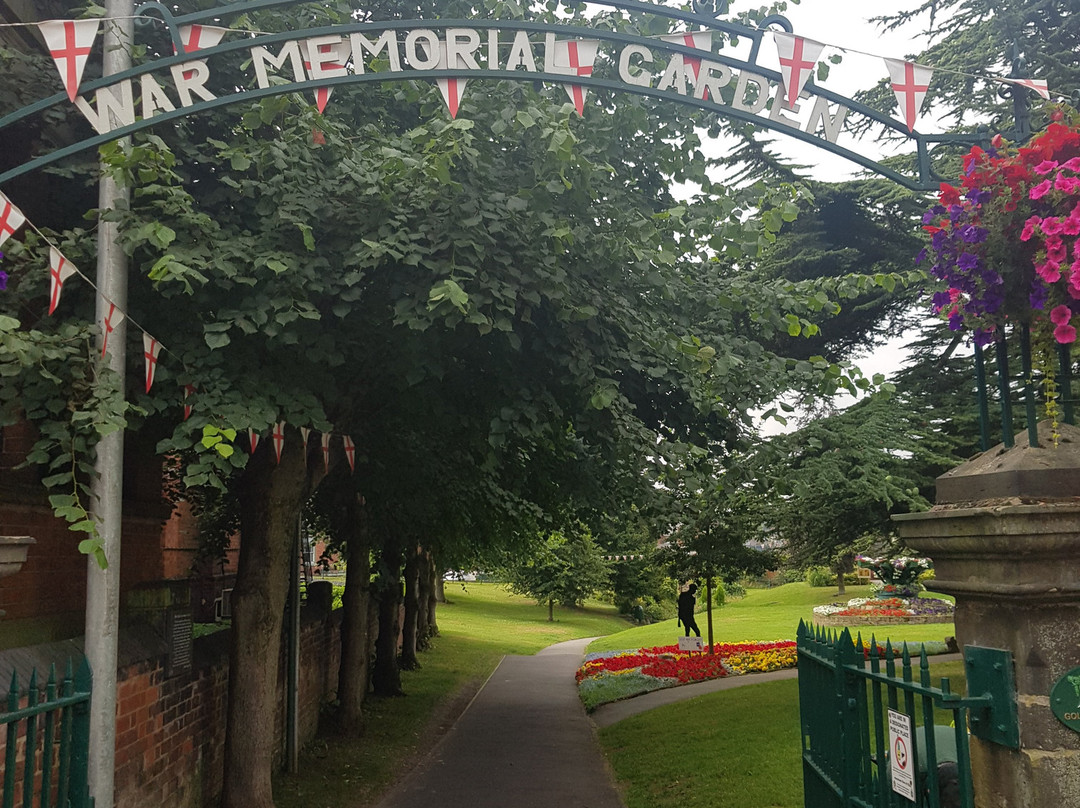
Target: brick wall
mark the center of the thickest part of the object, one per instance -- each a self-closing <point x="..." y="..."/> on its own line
<point x="171" y="731"/>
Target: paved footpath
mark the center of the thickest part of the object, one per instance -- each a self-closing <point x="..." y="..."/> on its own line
<point x="525" y="742"/>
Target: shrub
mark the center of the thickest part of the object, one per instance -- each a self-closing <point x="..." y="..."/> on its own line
<point x="820" y="576"/>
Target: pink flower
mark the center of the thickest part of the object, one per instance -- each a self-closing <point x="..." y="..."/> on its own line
<point x="1049" y="271"/>
<point x="1051" y="225"/>
<point x="1029" y="227"/>
<point x="1071" y="226"/>
<point x="1073" y="290"/>
<point x="1045" y="167"/>
<point x="1040" y="190"/>
<point x="1066" y="184"/>
<point x="1055" y="250"/>
<point x="1072" y="165"/>
<point x="1060" y="315"/>
<point x="1065" y="334"/>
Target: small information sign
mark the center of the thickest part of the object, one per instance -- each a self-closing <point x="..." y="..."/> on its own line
<point x="901" y="755"/>
<point x="691" y="644"/>
<point x="1065" y="699"/>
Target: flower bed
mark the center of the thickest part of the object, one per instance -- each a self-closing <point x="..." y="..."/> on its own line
<point x="884" y="611"/>
<point x="614" y="675"/>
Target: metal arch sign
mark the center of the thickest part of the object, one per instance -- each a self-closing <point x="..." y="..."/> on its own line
<point x="691" y="69"/>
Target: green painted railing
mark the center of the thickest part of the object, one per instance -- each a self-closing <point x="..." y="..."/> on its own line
<point x="47" y="741"/>
<point x="844" y="696"/>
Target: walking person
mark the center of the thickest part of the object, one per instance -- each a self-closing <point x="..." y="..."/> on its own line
<point x="687" y="603"/>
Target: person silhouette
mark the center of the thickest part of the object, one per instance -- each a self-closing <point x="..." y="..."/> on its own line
<point x="687" y="602"/>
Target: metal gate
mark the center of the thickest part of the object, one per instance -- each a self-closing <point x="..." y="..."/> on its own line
<point x="47" y="741"/>
<point x="850" y="698"/>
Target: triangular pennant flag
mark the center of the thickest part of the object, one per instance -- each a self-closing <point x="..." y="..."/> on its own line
<point x="326" y="451"/>
<point x="188" y="390"/>
<point x="1038" y="85"/>
<point x="452" y="89"/>
<point x="350" y="452"/>
<point x="305" y="433"/>
<point x="69" y="43"/>
<point x="199" y="37"/>
<point x="798" y="58"/>
<point x="113" y="318"/>
<point x="151" y="349"/>
<point x="910" y="82"/>
<point x="702" y="40"/>
<point x="253" y="439"/>
<point x="279" y="439"/>
<point x="578" y="55"/>
<point x="60" y="269"/>
<point x="11" y="218"/>
<point x="329" y="57"/>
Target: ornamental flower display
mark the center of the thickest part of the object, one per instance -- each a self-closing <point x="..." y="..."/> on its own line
<point x="897" y="575"/>
<point x="941" y="610"/>
<point x="1004" y="240"/>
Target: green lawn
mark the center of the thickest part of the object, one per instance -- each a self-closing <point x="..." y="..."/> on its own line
<point x="478" y="626"/>
<point x="768" y="614"/>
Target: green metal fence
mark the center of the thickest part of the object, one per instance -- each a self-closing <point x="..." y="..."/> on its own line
<point x="47" y="741"/>
<point x="848" y="699"/>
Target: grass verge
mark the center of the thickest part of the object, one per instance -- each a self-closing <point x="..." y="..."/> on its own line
<point x="479" y="625"/>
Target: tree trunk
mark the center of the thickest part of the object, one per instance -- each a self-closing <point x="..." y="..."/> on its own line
<point x="386" y="678"/>
<point x="440" y="589"/>
<point x="708" y="602"/>
<point x="355" y="668"/>
<point x="408" y="661"/>
<point x="270" y="496"/>
<point x="841" y="585"/>
<point x="423" y="600"/>
<point x="435" y="596"/>
<point x="551" y="610"/>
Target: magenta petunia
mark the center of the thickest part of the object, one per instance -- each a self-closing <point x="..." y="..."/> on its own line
<point x="1072" y="164"/>
<point x="1040" y="190"/>
<point x="1066" y="185"/>
<point x="1045" y="167"/>
<point x="1049" y="271"/>
<point x="1029" y="227"/>
<point x="1060" y="315"/>
<point x="1056" y="251"/>
<point x="1051" y="225"/>
<point x="1065" y="334"/>
<point x="1071" y="226"/>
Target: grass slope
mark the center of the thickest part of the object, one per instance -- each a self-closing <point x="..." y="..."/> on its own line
<point x="768" y="614"/>
<point x="478" y="627"/>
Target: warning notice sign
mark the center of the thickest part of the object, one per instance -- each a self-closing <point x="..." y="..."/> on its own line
<point x="901" y="755"/>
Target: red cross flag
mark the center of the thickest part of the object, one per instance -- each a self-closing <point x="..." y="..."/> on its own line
<point x="702" y="40"/>
<point x="253" y="439"/>
<point x="113" y="318"/>
<point x="798" y="58"/>
<point x="325" y="59"/>
<point x="305" y="433"/>
<point x="576" y="57"/>
<point x="326" y="451"/>
<point x="188" y="390"/>
<point x="60" y="269"/>
<point x="69" y="43"/>
<point x="11" y="218"/>
<point x="350" y="452"/>
<point x="197" y="37"/>
<point x="151" y="349"/>
<point x="452" y="89"/>
<point x="279" y="439"/>
<point x="910" y="82"/>
<point x="1038" y="85"/>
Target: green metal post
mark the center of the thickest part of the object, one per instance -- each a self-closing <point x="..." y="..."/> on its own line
<point x="984" y="403"/>
<point x="31" y="744"/>
<point x="47" y="741"/>
<point x="12" y="743"/>
<point x="1002" y="352"/>
<point x="79" y="789"/>
<point x="1029" y="387"/>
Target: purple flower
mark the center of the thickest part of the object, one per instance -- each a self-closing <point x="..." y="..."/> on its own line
<point x="967" y="261"/>
<point x="3" y="279"/>
<point x="1038" y="295"/>
<point x="972" y="234"/>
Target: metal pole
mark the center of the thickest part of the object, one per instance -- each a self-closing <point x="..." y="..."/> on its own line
<point x="1065" y="383"/>
<point x="292" y="729"/>
<point x="1003" y="388"/>
<point x="1030" y="415"/>
<point x="984" y="408"/>
<point x="106" y="490"/>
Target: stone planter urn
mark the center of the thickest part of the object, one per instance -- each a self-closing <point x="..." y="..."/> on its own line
<point x="13" y="553"/>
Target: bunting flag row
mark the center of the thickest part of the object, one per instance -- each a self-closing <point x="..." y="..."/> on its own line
<point x="70" y="43"/>
<point x="623" y="557"/>
<point x="61" y="270"/>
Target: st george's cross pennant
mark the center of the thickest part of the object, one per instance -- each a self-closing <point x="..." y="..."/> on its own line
<point x="452" y="88"/>
<point x="69" y="43"/>
<point x="701" y="40"/>
<point x="798" y="58"/>
<point x="350" y="452"/>
<point x="196" y="38"/>
<point x="1038" y="85"/>
<point x="151" y="349"/>
<point x="576" y="57"/>
<point x="60" y="269"/>
<point x="910" y="82"/>
<point x="11" y="219"/>
<point x="113" y="317"/>
<point x="325" y="60"/>
<point x="305" y="433"/>
<point x="278" y="436"/>
<point x="188" y="390"/>
<point x="326" y="451"/>
<point x="253" y="439"/>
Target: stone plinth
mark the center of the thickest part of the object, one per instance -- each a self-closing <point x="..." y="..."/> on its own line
<point x="1012" y="561"/>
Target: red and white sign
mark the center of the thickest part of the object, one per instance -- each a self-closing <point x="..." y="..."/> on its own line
<point x="113" y="318"/>
<point x="253" y="439"/>
<point x="11" y="219"/>
<point x="798" y="58"/>
<point x="197" y="38"/>
<point x="701" y="40"/>
<point x="576" y="57"/>
<point x="151" y="349"/>
<point x="350" y="452"/>
<point x="69" y="43"/>
<point x="279" y="439"/>
<point x="910" y="83"/>
<point x="60" y="269"/>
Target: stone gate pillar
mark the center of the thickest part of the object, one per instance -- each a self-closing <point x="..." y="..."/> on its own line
<point x="1005" y="540"/>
